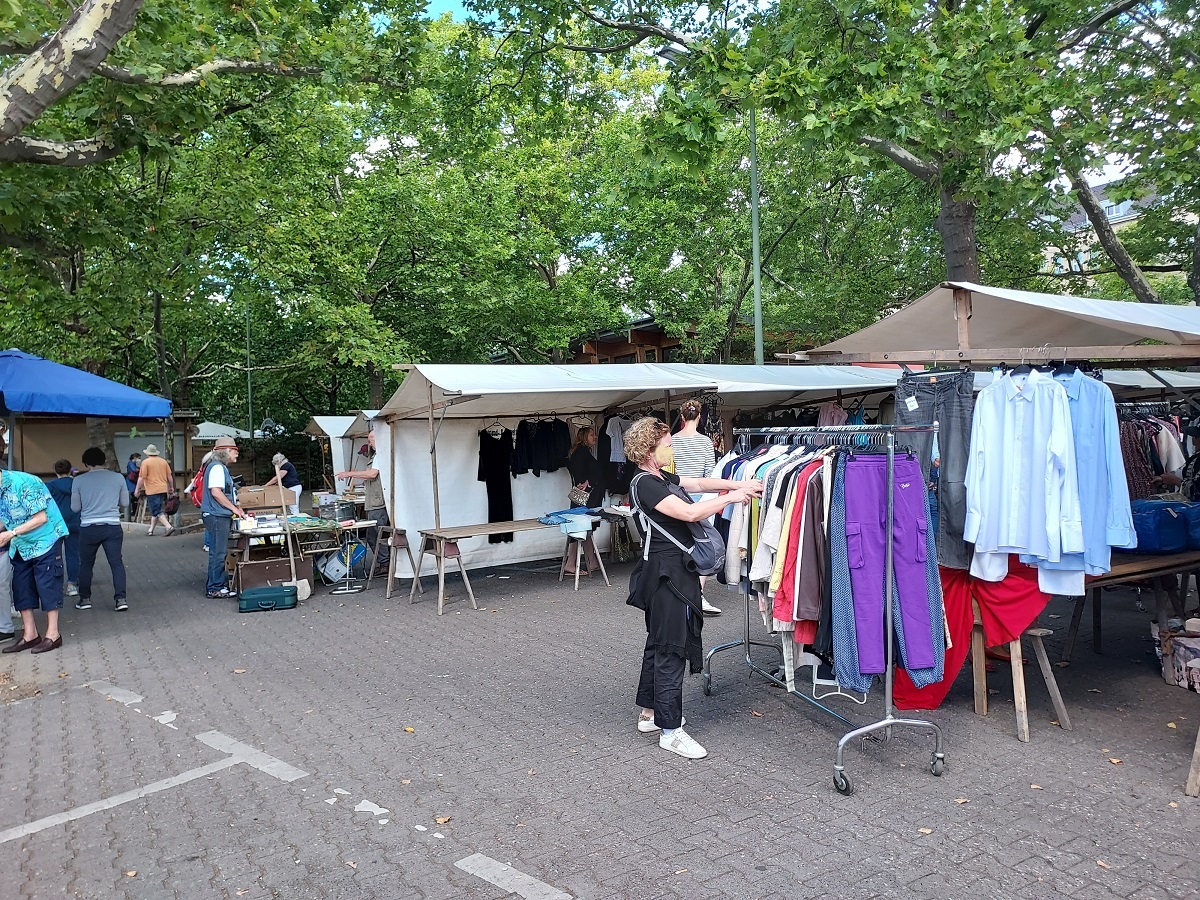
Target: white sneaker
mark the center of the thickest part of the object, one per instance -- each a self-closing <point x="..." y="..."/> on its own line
<point x="649" y="726"/>
<point x="709" y="609"/>
<point x="72" y="590"/>
<point x="682" y="743"/>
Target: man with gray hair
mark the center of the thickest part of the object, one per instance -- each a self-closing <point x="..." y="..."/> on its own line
<point x="218" y="506"/>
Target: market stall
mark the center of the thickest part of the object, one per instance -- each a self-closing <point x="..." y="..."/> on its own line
<point x="959" y="326"/>
<point x="336" y="447"/>
<point x="434" y="422"/>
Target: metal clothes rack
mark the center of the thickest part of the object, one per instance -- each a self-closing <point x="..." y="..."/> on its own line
<point x="855" y="437"/>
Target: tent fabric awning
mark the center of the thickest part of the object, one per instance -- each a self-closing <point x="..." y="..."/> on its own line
<point x="328" y="426"/>
<point x="30" y="384"/>
<point x="482" y="391"/>
<point x="1000" y="317"/>
<point x="210" y="431"/>
<point x="360" y="425"/>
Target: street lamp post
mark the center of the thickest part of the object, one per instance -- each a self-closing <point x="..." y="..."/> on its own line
<point x="755" y="249"/>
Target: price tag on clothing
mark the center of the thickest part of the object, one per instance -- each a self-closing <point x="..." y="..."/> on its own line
<point x="911" y="403"/>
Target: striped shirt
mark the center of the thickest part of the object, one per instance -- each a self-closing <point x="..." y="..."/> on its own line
<point x="694" y="456"/>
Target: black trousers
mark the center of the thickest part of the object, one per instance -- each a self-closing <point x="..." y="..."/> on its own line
<point x="661" y="685"/>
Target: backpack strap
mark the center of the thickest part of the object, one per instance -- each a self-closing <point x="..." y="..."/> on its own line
<point x="648" y="523"/>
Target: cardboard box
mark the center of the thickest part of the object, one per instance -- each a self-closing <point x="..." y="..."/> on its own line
<point x="273" y="498"/>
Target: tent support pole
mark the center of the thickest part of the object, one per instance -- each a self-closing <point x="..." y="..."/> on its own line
<point x="667" y="400"/>
<point x="12" y="434"/>
<point x="1174" y="390"/>
<point x="392" y="470"/>
<point x="437" y="504"/>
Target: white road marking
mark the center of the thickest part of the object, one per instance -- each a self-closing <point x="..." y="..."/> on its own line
<point x="420" y="828"/>
<point x="509" y="879"/>
<point x="87" y="809"/>
<point x="331" y="800"/>
<point x="368" y="806"/>
<point x="276" y="768"/>
<point x="119" y="694"/>
<point x="340" y="791"/>
<point x="165" y="718"/>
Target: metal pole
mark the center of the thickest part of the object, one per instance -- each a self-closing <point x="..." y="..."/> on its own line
<point x="755" y="248"/>
<point x="249" y="379"/>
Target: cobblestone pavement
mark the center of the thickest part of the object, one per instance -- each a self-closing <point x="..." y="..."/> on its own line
<point x="507" y="734"/>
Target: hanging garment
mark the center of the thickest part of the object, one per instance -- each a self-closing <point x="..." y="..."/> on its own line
<point x="1006" y="609"/>
<point x="829" y="413"/>
<point x="615" y="429"/>
<point x="945" y="398"/>
<point x="523" y="456"/>
<point x="916" y="591"/>
<point x="1022" y="486"/>
<point x="1100" y="471"/>
<point x="495" y="467"/>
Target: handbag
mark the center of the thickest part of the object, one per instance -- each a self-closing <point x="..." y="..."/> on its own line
<point x="172" y="505"/>
<point x="577" y="496"/>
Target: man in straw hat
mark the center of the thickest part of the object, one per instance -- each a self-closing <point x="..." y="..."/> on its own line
<point x="157" y="482"/>
<point x="218" y="506"/>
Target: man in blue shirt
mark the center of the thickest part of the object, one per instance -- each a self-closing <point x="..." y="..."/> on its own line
<point x="33" y="537"/>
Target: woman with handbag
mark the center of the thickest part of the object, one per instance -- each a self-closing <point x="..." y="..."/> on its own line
<point x="587" y="480"/>
<point x="665" y="583"/>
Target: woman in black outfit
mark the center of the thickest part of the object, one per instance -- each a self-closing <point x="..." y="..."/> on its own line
<point x="664" y="583"/>
<point x="586" y="473"/>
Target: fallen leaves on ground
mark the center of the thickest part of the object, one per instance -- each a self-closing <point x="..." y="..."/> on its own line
<point x="532" y="772"/>
<point x="406" y="781"/>
<point x="680" y="871"/>
<point x="1173" y="805"/>
<point x="352" y="865"/>
<point x="756" y="713"/>
<point x="63" y="675"/>
<point x="1035" y="787"/>
<point x="1172" y="725"/>
<point x="410" y="729"/>
<point x="961" y="800"/>
<point x="239" y="671"/>
<point x="442" y="820"/>
<point x="132" y="873"/>
<point x="1115" y="761"/>
<point x="925" y="830"/>
<point x="1102" y="864"/>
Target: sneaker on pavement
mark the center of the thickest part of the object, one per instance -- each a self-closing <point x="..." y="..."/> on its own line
<point x="83" y="603"/>
<point x="122" y="605"/>
<point x="649" y="726"/>
<point x="72" y="590"/>
<point x="682" y="743"/>
<point x="222" y="594"/>
<point x="709" y="609"/>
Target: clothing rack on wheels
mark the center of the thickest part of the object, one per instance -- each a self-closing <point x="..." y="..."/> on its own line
<point x="853" y="437"/>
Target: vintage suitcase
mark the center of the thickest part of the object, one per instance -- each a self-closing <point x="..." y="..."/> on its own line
<point x="264" y="599"/>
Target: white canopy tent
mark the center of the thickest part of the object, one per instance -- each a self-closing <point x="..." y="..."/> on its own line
<point x="439" y="410"/>
<point x="207" y="432"/>
<point x="959" y="321"/>
<point x="333" y="429"/>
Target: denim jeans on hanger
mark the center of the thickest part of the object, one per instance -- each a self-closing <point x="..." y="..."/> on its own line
<point x="945" y="398"/>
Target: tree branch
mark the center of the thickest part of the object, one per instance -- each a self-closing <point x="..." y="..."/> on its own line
<point x="86" y="152"/>
<point x="217" y="67"/>
<point x="1087" y="29"/>
<point x="58" y="66"/>
<point x="1129" y="270"/>
<point x="909" y="162"/>
<point x="1088" y="273"/>
<point x="644" y="30"/>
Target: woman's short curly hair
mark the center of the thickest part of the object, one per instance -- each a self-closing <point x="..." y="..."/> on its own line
<point x="641" y="438"/>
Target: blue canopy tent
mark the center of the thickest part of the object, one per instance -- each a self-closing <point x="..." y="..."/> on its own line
<point x="30" y="385"/>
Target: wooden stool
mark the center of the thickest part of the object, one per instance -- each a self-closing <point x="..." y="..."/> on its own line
<point x="396" y="540"/>
<point x="979" y="673"/>
<point x="1192" y="788"/>
<point x="578" y="542"/>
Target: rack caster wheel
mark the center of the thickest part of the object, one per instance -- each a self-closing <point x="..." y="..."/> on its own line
<point x="707" y="684"/>
<point x="841" y="782"/>
<point x="937" y="764"/>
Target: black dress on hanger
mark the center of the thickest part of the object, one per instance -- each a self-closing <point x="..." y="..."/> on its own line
<point x="495" y="465"/>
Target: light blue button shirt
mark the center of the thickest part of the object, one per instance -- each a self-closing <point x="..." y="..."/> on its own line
<point x="1103" y="491"/>
<point x="1021" y="485"/>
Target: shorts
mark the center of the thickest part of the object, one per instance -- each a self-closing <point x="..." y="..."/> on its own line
<point x="39" y="582"/>
<point x="155" y="503"/>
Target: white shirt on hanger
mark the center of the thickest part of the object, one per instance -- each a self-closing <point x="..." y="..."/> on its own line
<point x="1022" y="494"/>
